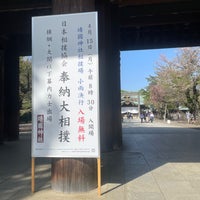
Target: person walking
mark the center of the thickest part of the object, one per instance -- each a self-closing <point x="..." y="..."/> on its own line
<point x="188" y="116"/>
<point x="142" y="117"/>
<point x="151" y="117"/>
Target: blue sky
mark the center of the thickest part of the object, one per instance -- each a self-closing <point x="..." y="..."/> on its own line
<point x="137" y="65"/>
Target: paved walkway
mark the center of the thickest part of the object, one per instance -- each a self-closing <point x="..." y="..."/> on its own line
<point x="159" y="161"/>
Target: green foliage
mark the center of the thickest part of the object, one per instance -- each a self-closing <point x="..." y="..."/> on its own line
<point x="146" y="96"/>
<point x="25" y="89"/>
<point x="176" y="82"/>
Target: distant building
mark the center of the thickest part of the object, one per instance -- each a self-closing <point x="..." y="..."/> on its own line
<point x="131" y="102"/>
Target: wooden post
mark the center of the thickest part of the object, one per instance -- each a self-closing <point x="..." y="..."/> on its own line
<point x="11" y="106"/>
<point x="99" y="175"/>
<point x="33" y="175"/>
<point x="109" y="76"/>
<point x="79" y="174"/>
<point x="70" y="175"/>
<point x="1" y="97"/>
<point x="74" y="175"/>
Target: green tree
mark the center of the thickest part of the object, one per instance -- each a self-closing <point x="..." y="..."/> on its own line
<point x="176" y="81"/>
<point x="25" y="88"/>
<point x="188" y="62"/>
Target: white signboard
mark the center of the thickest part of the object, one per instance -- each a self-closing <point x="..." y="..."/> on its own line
<point x="65" y="86"/>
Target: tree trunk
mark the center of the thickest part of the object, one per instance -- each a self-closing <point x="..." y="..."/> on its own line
<point x="165" y="113"/>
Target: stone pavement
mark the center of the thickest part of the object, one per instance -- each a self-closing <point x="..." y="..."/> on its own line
<point x="159" y="161"/>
